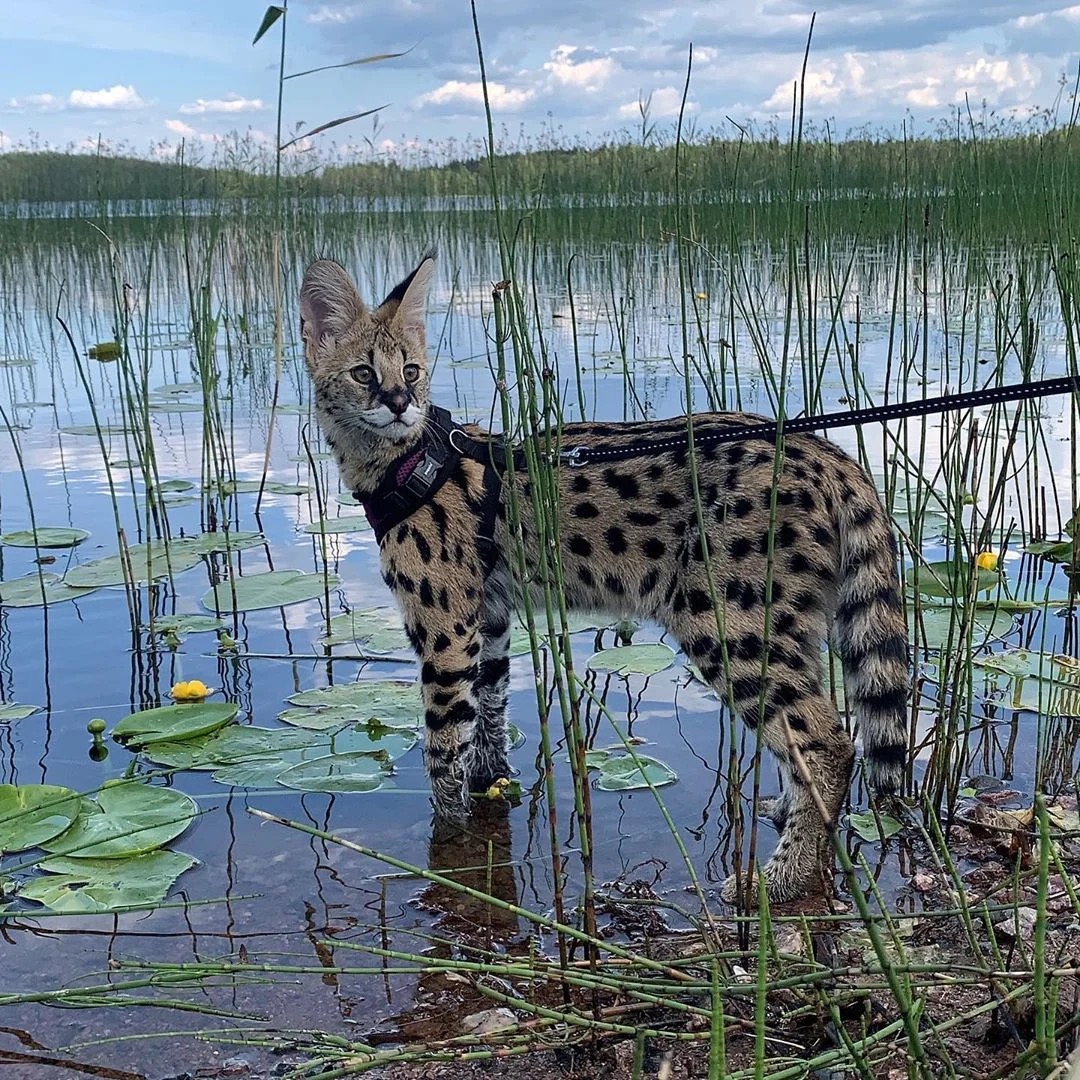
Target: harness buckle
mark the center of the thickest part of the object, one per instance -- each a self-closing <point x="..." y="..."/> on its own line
<point x="422" y="477"/>
<point x="575" y="458"/>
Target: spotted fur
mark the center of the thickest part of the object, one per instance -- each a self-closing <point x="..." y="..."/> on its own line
<point x="630" y="543"/>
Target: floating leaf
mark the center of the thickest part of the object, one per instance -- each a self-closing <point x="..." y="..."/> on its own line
<point x="179" y="388"/>
<point x="105" y="351"/>
<point x="175" y="485"/>
<point x="950" y="579"/>
<point x="211" y="543"/>
<point x="86" y="886"/>
<point x="99" y="429"/>
<point x="127" y="818"/>
<point x="336" y="772"/>
<point x="186" y="624"/>
<point x="14" y="711"/>
<point x="334" y="526"/>
<point x="326" y="719"/>
<point x="259" y="772"/>
<point x="632" y="659"/>
<point x="578" y="622"/>
<point x="1063" y="551"/>
<point x="274" y="487"/>
<point x="45" y="537"/>
<point x="36" y="589"/>
<point x="866" y="825"/>
<point x="620" y="771"/>
<point x="273" y="588"/>
<point x="231" y="744"/>
<point x="939" y="627"/>
<point x="173" y="723"/>
<point x="174" y="406"/>
<point x="1038" y="682"/>
<point x="377" y="630"/>
<point x="31" y="814"/>
<point x="347" y="498"/>
<point x="390" y="701"/>
<point x="145" y="563"/>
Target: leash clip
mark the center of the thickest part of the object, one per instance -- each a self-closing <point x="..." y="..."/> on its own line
<point x="575" y="458"/>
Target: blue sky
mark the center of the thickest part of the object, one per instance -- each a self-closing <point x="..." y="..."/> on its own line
<point x="147" y="74"/>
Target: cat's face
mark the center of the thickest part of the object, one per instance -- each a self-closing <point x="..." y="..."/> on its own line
<point x="369" y="368"/>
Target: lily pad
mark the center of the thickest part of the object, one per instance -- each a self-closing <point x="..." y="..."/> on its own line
<point x="14" y="711"/>
<point x="633" y="659"/>
<point x="377" y="630"/>
<point x="45" y="537"/>
<point x="260" y="772"/>
<point x="391" y="701"/>
<point x="86" y="886"/>
<point x="179" y="388"/>
<point x="939" y="627"/>
<point x="578" y="622"/>
<point x="31" y="814"/>
<point x="273" y="588"/>
<point x="35" y="589"/>
<point x="950" y="579"/>
<point x="347" y="498"/>
<point x="334" y="526"/>
<point x="175" y="485"/>
<point x="91" y="429"/>
<point x="274" y="487"/>
<point x="168" y="406"/>
<point x="186" y="624"/>
<point x="146" y="562"/>
<point x="231" y="744"/>
<point x="173" y="723"/>
<point x="1036" y="681"/>
<point x="619" y="771"/>
<point x="210" y="543"/>
<point x="126" y="818"/>
<point x="336" y="772"/>
<point x="866" y="825"/>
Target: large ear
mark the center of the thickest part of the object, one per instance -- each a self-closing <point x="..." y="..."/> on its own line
<point x="406" y="306"/>
<point x="329" y="303"/>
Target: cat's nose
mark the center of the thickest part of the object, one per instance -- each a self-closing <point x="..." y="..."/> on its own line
<point x="397" y="402"/>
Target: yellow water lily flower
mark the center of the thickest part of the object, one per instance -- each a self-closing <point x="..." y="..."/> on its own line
<point x="701" y="296"/>
<point x="987" y="560"/>
<point x="498" y="788"/>
<point x="193" y="690"/>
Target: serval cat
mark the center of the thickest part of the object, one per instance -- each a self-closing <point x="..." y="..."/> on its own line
<point x="630" y="544"/>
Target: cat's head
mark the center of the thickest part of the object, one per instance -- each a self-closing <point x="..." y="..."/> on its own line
<point x="369" y="368"/>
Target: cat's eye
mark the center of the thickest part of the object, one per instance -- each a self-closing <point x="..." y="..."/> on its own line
<point x="411" y="372"/>
<point x="363" y="373"/>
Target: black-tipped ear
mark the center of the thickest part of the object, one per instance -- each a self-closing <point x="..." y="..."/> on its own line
<point x="329" y="303"/>
<point x="406" y="306"/>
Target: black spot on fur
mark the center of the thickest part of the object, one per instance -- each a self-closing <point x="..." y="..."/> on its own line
<point x="616" y="540"/>
<point x="585" y="510"/>
<point x="579" y="546"/>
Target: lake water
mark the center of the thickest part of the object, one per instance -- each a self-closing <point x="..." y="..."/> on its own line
<point x="865" y="321"/>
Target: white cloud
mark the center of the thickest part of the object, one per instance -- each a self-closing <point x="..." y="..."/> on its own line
<point x="455" y="92"/>
<point x="115" y="97"/>
<point x="589" y="74"/>
<point x="663" y="104"/>
<point x="231" y="103"/>
<point x="178" y="127"/>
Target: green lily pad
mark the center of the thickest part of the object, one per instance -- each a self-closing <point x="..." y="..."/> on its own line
<point x="91" y="429"/>
<point x="950" y="579"/>
<point x="336" y="772"/>
<point x="175" y="485"/>
<point x="87" y="886"/>
<point x="1036" y="681"/>
<point x="335" y="526"/>
<point x="1054" y="550"/>
<point x="260" y="772"/>
<point x="347" y="498"/>
<point x="326" y="719"/>
<point x="45" y="537"/>
<point x="210" y="543"/>
<point x="173" y="723"/>
<point x="179" y="388"/>
<point x="186" y="624"/>
<point x="274" y="487"/>
<point x="866" y="825"/>
<point x="939" y="627"/>
<point x="104" y="351"/>
<point x="578" y="622"/>
<point x="126" y="818"/>
<point x="16" y="361"/>
<point x="31" y="814"/>
<point x="174" y="406"/>
<point x="14" y="711"/>
<point x="391" y="701"/>
<point x="273" y="588"/>
<point x="377" y="630"/>
<point x="619" y="771"/>
<point x="35" y="589"/>
<point x="229" y="745"/>
<point x="147" y="562"/>
<point x="633" y="659"/>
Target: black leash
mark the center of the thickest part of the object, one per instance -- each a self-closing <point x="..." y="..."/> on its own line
<point x="901" y="410"/>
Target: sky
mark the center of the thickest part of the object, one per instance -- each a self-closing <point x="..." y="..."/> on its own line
<point x="146" y="75"/>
